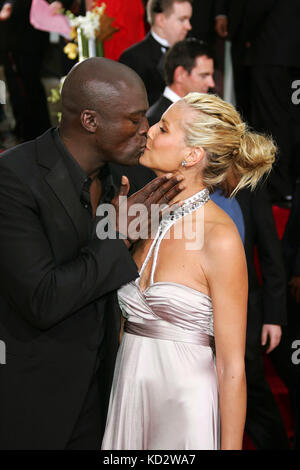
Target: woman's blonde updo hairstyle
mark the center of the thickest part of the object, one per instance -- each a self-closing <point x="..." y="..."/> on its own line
<point x="230" y="147"/>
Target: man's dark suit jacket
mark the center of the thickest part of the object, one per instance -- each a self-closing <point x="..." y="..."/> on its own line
<point x="203" y="20"/>
<point x="58" y="308"/>
<point x="266" y="303"/>
<point x="146" y="58"/>
<point x="156" y="111"/>
<point x="271" y="26"/>
<point x="17" y="34"/>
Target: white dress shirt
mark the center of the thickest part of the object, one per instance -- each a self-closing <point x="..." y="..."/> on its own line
<point x="163" y="42"/>
<point x="171" y="95"/>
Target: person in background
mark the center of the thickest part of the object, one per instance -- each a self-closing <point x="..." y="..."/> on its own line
<point x="266" y="62"/>
<point x="287" y="358"/>
<point x="232" y="208"/>
<point x="24" y="48"/>
<point x="266" y="312"/>
<point x="202" y="21"/>
<point x="189" y="67"/>
<point x="170" y="23"/>
<point x="203" y="28"/>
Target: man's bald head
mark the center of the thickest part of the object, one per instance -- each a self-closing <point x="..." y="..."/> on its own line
<point x="104" y="106"/>
<point x="96" y="83"/>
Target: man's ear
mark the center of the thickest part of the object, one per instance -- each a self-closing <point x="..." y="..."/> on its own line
<point x="89" y="120"/>
<point x="195" y="156"/>
<point x="179" y="74"/>
<point x="160" y="20"/>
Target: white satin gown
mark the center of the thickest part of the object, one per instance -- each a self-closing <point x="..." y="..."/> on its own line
<point x="165" y="390"/>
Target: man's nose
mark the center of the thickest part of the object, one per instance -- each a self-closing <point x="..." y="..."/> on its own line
<point x="144" y="126"/>
<point x="188" y="25"/>
<point x="211" y="82"/>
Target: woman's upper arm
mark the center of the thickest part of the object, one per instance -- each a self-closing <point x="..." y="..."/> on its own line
<point x="226" y="272"/>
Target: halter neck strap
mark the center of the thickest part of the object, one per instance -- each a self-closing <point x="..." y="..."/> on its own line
<point x="189" y="205"/>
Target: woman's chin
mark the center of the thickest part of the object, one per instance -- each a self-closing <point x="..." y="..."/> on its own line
<point x="145" y="161"/>
<point x="148" y="163"/>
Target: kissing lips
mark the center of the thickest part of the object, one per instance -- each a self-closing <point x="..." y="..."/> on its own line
<point x="142" y="150"/>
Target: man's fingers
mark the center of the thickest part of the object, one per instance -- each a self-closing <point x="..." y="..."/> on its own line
<point x="55" y="7"/>
<point x="169" y="190"/>
<point x="167" y="197"/>
<point x="159" y="192"/>
<point x="271" y="344"/>
<point x="274" y="341"/>
<point x="5" y="12"/>
<point x="125" y="186"/>
<point x="147" y="190"/>
<point x="123" y="190"/>
<point x="154" y="190"/>
<point x="273" y="334"/>
<point x="264" y="337"/>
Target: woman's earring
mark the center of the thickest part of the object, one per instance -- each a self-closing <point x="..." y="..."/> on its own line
<point x="184" y="163"/>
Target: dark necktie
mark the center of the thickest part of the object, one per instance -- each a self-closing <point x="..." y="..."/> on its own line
<point x="161" y="63"/>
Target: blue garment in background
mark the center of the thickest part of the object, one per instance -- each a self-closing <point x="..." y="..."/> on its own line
<point x="232" y="208"/>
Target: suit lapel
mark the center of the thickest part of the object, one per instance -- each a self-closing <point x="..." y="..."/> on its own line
<point x="154" y="48"/>
<point x="164" y="103"/>
<point x="60" y="182"/>
<point x="156" y="55"/>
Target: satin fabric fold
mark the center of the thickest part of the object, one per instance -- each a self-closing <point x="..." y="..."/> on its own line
<point x="153" y="330"/>
<point x="165" y="389"/>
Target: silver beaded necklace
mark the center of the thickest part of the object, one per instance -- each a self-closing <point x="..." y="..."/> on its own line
<point x="189" y="205"/>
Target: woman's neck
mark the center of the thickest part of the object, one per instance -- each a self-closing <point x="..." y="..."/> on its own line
<point x="189" y="191"/>
<point x="193" y="184"/>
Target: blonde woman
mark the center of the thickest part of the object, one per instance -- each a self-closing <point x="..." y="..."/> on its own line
<point x="179" y="381"/>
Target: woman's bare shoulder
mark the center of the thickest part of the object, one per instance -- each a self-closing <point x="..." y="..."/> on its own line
<point x="221" y="232"/>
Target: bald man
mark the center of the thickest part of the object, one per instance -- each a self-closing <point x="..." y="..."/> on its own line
<point x="59" y="317"/>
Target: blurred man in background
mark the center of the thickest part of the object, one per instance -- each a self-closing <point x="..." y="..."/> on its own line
<point x="170" y="23"/>
<point x="23" y="50"/>
<point x="189" y="66"/>
<point x="266" y="61"/>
